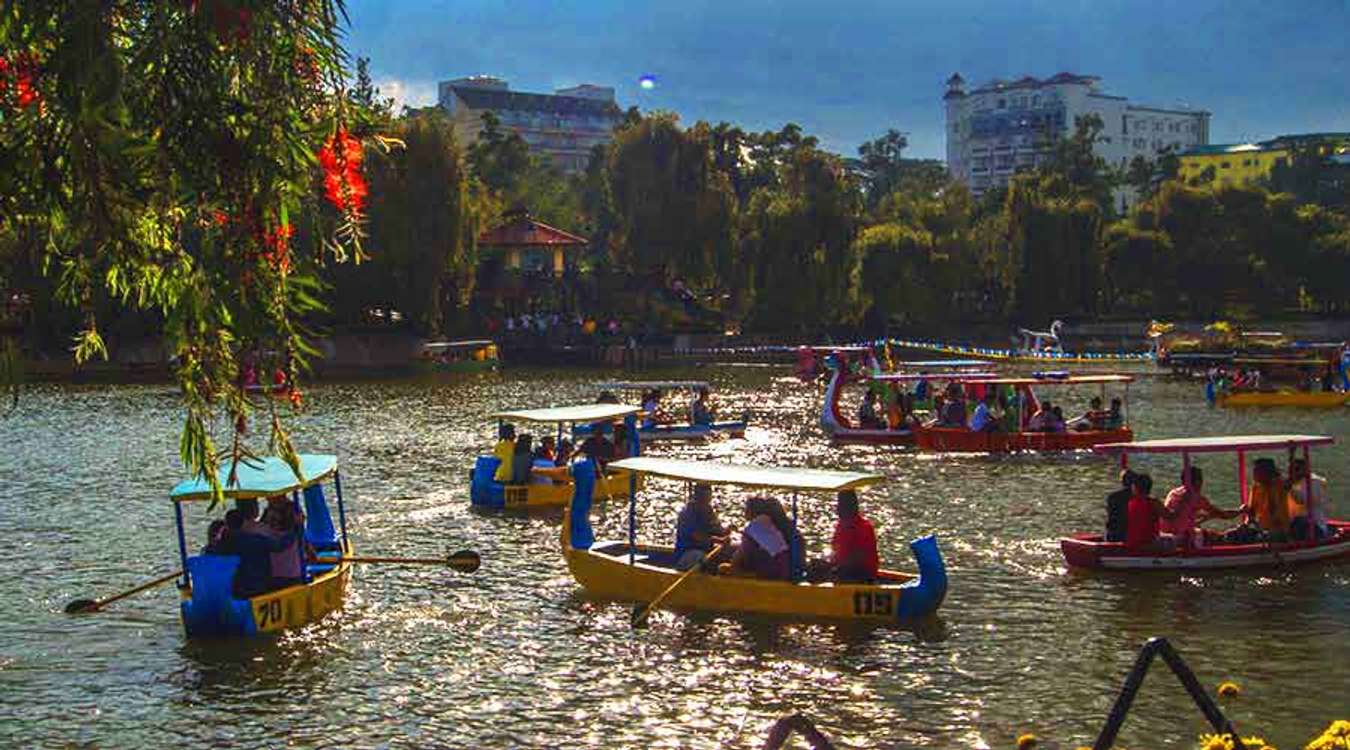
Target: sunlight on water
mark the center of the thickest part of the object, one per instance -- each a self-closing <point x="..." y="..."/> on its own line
<point x="515" y="656"/>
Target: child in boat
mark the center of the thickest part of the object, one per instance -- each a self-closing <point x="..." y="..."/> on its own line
<point x="1190" y="507"/>
<point x="763" y="551"/>
<point x="1307" y="509"/>
<point x="505" y="451"/>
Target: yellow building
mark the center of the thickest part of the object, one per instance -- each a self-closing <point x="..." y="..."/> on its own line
<point x="1251" y="163"/>
<point x="1241" y="164"/>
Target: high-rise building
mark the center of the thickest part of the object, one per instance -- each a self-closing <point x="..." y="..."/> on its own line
<point x="564" y="126"/>
<point x="1004" y="127"/>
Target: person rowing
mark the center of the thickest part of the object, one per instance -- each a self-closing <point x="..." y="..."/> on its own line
<point x="700" y="413"/>
<point x="698" y="530"/>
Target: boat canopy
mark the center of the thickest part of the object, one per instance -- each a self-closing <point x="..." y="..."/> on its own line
<point x="961" y="375"/>
<point x="260" y="478"/>
<point x="942" y="363"/>
<point x="773" y="477"/>
<point x="638" y="385"/>
<point x="1224" y="444"/>
<point x="467" y="344"/>
<point x="565" y="414"/>
<point x="1050" y="379"/>
<point x="846" y="348"/>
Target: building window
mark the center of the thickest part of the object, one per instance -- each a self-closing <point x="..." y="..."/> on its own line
<point x="1002" y="103"/>
<point x="1036" y="100"/>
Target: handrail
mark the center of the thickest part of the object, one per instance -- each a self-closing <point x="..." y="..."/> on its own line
<point x="1161" y="647"/>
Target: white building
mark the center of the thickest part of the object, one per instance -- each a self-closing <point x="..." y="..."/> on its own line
<point x="564" y="126"/>
<point x="1004" y="127"/>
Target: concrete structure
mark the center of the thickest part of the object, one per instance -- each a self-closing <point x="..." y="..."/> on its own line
<point x="1005" y="127"/>
<point x="1250" y="163"/>
<point x="563" y="126"/>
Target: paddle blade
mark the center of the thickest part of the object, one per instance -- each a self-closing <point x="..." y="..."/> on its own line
<point x="637" y="618"/>
<point x="81" y="605"/>
<point x="465" y="561"/>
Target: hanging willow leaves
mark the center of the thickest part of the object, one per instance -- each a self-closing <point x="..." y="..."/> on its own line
<point x="177" y="157"/>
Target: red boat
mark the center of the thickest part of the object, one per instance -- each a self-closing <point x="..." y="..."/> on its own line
<point x="1090" y="551"/>
<point x="964" y="440"/>
<point x="841" y="429"/>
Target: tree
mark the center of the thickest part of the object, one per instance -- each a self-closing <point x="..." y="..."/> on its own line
<point x="881" y="164"/>
<point x="1074" y="170"/>
<point x="675" y="212"/>
<point x="170" y="156"/>
<point x="499" y="159"/>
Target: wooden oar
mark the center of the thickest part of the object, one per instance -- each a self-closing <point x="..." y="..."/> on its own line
<point x="640" y="613"/>
<point x="465" y="561"/>
<point x="94" y="605"/>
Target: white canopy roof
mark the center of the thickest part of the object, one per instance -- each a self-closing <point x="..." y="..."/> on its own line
<point x="581" y="413"/>
<point x="776" y="477"/>
<point x="1224" y="444"/>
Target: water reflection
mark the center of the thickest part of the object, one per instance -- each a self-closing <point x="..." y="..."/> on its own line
<point x="516" y="655"/>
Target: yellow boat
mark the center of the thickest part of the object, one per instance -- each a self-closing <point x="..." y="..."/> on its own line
<point x="486" y="492"/>
<point x="1283" y="398"/>
<point x="626" y="570"/>
<point x="208" y="605"/>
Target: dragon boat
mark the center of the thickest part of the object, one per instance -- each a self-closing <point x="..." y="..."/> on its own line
<point x="208" y="605"/>
<point x="629" y="571"/>
<point x="488" y="493"/>
<point x="1091" y="551"/>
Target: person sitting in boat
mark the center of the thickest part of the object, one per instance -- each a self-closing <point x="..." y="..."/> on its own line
<point x="1041" y="420"/>
<point x="607" y="397"/>
<point x="542" y="459"/>
<point x="522" y="460"/>
<point x="651" y="406"/>
<point x="867" y="413"/>
<point x="763" y="551"/>
<point x="953" y="413"/>
<point x="505" y="451"/>
<point x="1308" y="510"/>
<point x="622" y="449"/>
<point x="215" y="536"/>
<point x="1113" y="420"/>
<point x="1190" y="507"/>
<point x="700" y="413"/>
<point x="564" y="453"/>
<point x="1143" y="516"/>
<point x="853" y="548"/>
<point x="698" y="530"/>
<point x="1267" y="501"/>
<point x="286" y="522"/>
<point x="1055" y="422"/>
<point x="597" y="446"/>
<point x="254" y="574"/>
<point x="1117" y="504"/>
<point x="983" y="420"/>
<point x="1090" y="419"/>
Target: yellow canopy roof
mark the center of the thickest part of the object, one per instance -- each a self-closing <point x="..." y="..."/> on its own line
<point x="775" y="477"/>
<point x="581" y="413"/>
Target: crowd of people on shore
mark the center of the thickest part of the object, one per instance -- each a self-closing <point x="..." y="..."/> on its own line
<point x="1277" y="509"/>
<point x="980" y="407"/>
<point x="272" y="551"/>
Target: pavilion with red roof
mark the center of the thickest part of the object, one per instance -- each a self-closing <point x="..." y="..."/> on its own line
<point x="524" y="244"/>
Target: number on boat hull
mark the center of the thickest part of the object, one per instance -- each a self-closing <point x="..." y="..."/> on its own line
<point x="873" y="604"/>
<point x="268" y="614"/>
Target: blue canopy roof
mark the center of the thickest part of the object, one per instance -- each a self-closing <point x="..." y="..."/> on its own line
<point x="260" y="478"/>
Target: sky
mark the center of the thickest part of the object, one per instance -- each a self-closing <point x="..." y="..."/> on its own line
<point x="847" y="70"/>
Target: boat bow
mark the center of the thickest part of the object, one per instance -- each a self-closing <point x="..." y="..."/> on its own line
<point x="924" y="594"/>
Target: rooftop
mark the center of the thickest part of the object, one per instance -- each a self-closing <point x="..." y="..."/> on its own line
<point x="477" y="97"/>
<point x="1031" y="82"/>
<point x="522" y="231"/>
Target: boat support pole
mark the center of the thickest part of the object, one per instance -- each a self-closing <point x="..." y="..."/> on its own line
<point x="182" y="540"/>
<point x="300" y="547"/>
<point x="1242" y="478"/>
<point x="342" y="511"/>
<point x="792" y="543"/>
<point x="632" y="517"/>
<point x="1307" y="484"/>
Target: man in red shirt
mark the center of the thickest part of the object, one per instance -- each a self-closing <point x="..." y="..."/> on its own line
<point x="854" y="547"/>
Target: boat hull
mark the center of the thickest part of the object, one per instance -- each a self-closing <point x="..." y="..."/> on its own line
<point x="527" y="497"/>
<point x="605" y="572"/>
<point x="1088" y="551"/>
<point x="1325" y="399"/>
<point x="273" y="612"/>
<point x="960" y="440"/>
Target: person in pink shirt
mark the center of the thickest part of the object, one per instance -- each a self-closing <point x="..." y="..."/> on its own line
<point x="1189" y="506"/>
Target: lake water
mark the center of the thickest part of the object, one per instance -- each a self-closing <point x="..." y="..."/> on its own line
<point x="515" y="656"/>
